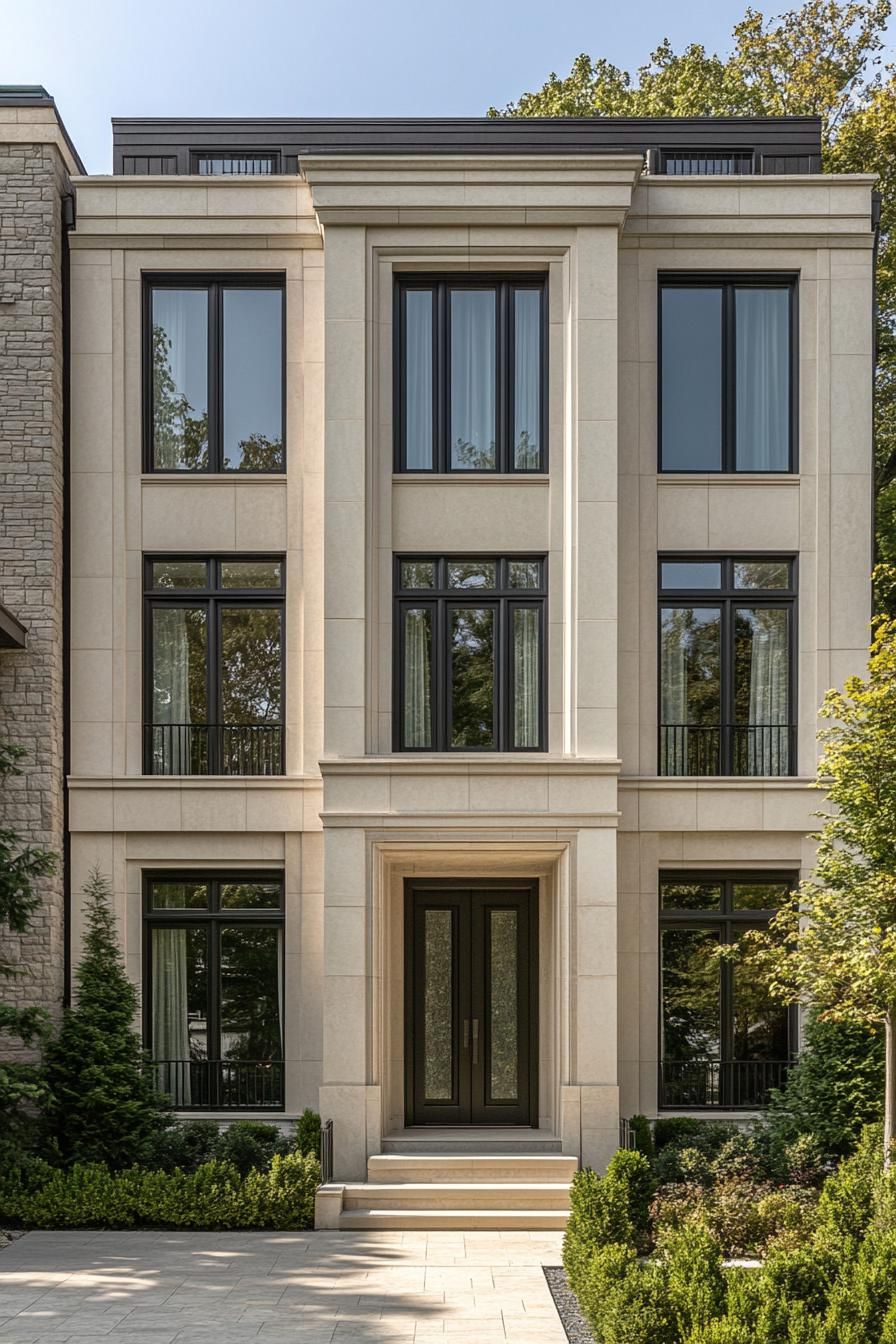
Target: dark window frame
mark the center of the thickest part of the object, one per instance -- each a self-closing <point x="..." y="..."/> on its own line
<point x="726" y="920"/>
<point x="441" y="600"/>
<point x="441" y="285"/>
<point x="213" y="918"/>
<point x="273" y="155"/>
<point x="745" y="160"/>
<point x="727" y="598"/>
<point x="214" y="282"/>
<point x="728" y="282"/>
<point x="212" y="597"/>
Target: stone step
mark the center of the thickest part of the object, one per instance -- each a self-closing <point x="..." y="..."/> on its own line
<point x="457" y="1195"/>
<point x="484" y="1141"/>
<point x="465" y="1220"/>
<point x="493" y="1168"/>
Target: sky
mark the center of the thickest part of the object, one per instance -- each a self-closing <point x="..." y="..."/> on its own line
<point x="330" y="58"/>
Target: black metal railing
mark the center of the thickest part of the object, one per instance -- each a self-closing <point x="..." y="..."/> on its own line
<point x="213" y="748"/>
<point x="734" y="1085"/>
<point x="707" y="163"/>
<point x="326" y="1152"/>
<point x="627" y="1138"/>
<point x="221" y="1084"/>
<point x="727" y="749"/>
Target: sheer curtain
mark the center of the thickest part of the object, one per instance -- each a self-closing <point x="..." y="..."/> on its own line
<point x="673" y="692"/>
<point x="170" y="1021"/>
<point x="169" y="319"/>
<point x="526" y="378"/>
<point x="762" y="321"/>
<point x="417" y="678"/>
<point x="525" y="677"/>
<point x="473" y="379"/>
<point x="768" y="747"/>
<point x="171" y="692"/>
<point x="418" y="380"/>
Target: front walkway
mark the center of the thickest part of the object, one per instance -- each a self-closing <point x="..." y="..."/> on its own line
<point x="305" y="1288"/>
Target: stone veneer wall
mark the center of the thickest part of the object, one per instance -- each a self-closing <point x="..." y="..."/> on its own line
<point x="32" y="180"/>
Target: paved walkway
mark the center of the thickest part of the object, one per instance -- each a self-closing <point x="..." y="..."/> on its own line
<point x="305" y="1288"/>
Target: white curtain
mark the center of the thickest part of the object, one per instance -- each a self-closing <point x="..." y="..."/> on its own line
<point x="169" y="312"/>
<point x="473" y="379"/>
<point x="170" y="1021"/>
<point x="769" y="691"/>
<point x="674" y="692"/>
<point x="762" y="319"/>
<point x="417" y="678"/>
<point x="171" y="691"/>
<point x="526" y="377"/>
<point x="418" y="379"/>
<point x="525" y="677"/>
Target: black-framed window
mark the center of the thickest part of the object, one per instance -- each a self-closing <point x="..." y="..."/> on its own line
<point x="724" y="1042"/>
<point x="470" y="655"/>
<point x="707" y="162"/>
<point x="727" y="373"/>
<point x="218" y="163"/>
<point x="214" y="664"/>
<point x="213" y="977"/>
<point x="727" y="665"/>
<point x="471" y="373"/>
<point x="214" y="385"/>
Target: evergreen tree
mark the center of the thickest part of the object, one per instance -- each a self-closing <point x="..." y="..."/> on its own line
<point x="103" y="1106"/>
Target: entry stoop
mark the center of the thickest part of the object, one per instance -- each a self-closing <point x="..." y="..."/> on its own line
<point x="467" y="1191"/>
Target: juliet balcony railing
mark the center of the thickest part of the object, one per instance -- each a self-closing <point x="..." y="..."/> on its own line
<point x="733" y="1085"/>
<point x="213" y="748"/>
<point x="727" y="749"/>
<point x="221" y="1084"/>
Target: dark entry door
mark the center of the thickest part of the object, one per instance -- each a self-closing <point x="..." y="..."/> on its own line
<point x="471" y="994"/>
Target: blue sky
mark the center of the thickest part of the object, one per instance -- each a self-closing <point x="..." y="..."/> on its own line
<point x="104" y="58"/>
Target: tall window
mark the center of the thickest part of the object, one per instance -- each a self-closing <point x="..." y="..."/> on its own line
<point x="214" y="665"/>
<point x="213" y="390"/>
<point x="471" y="371"/>
<point x="470" y="654"/>
<point x="213" y="1004"/>
<point x="726" y="665"/>
<point x="727" y="373"/>
<point x="723" y="1041"/>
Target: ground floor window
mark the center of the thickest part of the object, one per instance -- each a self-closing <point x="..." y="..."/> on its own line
<point x="213" y="999"/>
<point x="724" y="1043"/>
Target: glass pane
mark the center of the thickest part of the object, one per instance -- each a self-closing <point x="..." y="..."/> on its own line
<point x="438" y="999"/>
<point x="503" y="1006"/>
<point x="180" y="379"/>
<point x="691" y="1000"/>
<point x="524" y="574"/>
<point x="251" y="987"/>
<point x="418" y="574"/>
<point x="472" y="574"/>
<point x="179" y="1014"/>
<point x="472" y="634"/>
<point x="527" y="379"/>
<point x="760" y="895"/>
<point x="473" y="379"/>
<point x="251" y="895"/>
<point x="209" y="166"/>
<point x="180" y="895"/>
<point x="526" y="677"/>
<point x="762" y="574"/>
<point x="691" y="379"/>
<point x="253" y="380"/>
<point x="760" y="1023"/>
<point x="418" y="379"/>
<point x="761" y="691"/>
<point x="417" y="725"/>
<point x="251" y="678"/>
<point x="690" y="690"/>
<point x="179" y="574"/>
<point x="251" y="574"/>
<point x="179" y="731"/>
<point x="691" y="895"/>
<point x="762" y="337"/>
<point x="691" y="574"/>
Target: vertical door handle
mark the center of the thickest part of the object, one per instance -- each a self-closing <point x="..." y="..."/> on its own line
<point x="475" y="1040"/>
<point x="466" y="1033"/>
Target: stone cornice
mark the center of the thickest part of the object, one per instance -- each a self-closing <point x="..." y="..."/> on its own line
<point x="511" y="766"/>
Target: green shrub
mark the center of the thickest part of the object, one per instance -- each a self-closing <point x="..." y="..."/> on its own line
<point x="721" y="1331"/>
<point x="643" y="1136"/>
<point x="677" y="1129"/>
<point x="632" y="1171"/>
<point x="623" y="1302"/>
<point x="599" y="1216"/>
<point x="848" y="1200"/>
<point x="250" y="1145"/>
<point x="185" y="1144"/>
<point x="864" y="1291"/>
<point x="307" y="1138"/>
<point x="695" y="1285"/>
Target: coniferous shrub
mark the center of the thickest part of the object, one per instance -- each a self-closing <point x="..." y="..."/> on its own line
<point x="695" y="1285"/>
<point x="308" y="1128"/>
<point x="624" y="1302"/>
<point x="102" y="1104"/>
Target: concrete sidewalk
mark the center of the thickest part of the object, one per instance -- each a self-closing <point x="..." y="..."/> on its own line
<point x="306" y="1288"/>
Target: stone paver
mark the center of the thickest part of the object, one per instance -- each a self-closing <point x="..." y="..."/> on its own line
<point x="305" y="1288"/>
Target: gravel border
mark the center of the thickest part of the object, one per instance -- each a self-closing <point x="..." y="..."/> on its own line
<point x="571" y="1318"/>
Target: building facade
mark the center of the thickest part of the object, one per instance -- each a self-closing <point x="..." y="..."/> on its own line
<point x="467" y="519"/>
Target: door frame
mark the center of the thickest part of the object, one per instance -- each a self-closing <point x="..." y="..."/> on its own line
<point x="435" y="885"/>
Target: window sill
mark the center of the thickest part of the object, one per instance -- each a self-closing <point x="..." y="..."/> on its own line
<point x="466" y="478"/>
<point x="213" y="477"/>
<point x="728" y="477"/>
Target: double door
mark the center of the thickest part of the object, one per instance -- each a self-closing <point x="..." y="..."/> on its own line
<point x="471" y="978"/>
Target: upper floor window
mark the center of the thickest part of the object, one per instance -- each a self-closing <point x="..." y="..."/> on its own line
<point x="213" y="698"/>
<point x="471" y="374"/>
<point x="235" y="165"/>
<point x="727" y="373"/>
<point x="214" y="373"/>
<point x="470" y="653"/>
<point x="706" y="162"/>
<point x="726" y="665"/>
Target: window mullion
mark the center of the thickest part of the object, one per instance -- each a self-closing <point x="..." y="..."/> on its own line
<point x="442" y="455"/>
<point x="213" y="1049"/>
<point x="503" y="380"/>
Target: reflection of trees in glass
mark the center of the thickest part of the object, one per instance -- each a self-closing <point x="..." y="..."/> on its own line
<point x="691" y="1002"/>
<point x="257" y="453"/>
<point x="473" y="677"/>
<point x="250" y="1000"/>
<point x="472" y="456"/>
<point x="526" y="454"/>
<point x="691" y="645"/>
<point x="760" y="1024"/>
<point x="503" y="1004"/>
<point x="250" y="665"/>
<point x="180" y="438"/>
<point x="437" y="1027"/>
